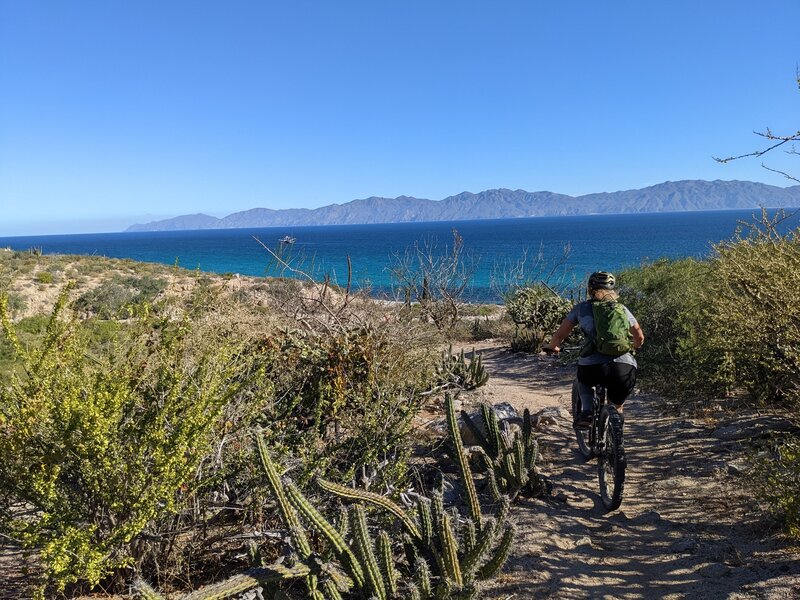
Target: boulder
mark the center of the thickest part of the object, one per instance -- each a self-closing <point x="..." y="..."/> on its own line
<point x="505" y="413"/>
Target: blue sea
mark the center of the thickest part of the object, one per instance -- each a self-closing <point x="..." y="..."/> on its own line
<point x="594" y="242"/>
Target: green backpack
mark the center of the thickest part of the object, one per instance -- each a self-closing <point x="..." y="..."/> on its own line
<point x="612" y="334"/>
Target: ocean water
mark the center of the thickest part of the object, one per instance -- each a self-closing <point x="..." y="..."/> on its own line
<point x="595" y="242"/>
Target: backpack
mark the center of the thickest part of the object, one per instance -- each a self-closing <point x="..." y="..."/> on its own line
<point x="612" y="334"/>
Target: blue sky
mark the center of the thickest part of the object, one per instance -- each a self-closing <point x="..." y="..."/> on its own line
<point x="118" y="112"/>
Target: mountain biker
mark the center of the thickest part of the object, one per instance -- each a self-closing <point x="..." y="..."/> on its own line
<point x="616" y="373"/>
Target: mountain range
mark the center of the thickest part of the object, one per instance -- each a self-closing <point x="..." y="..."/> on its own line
<point x="670" y="196"/>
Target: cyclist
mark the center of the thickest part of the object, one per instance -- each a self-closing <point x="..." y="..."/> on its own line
<point x="616" y="373"/>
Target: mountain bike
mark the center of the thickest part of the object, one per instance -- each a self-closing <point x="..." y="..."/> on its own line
<point x="603" y="439"/>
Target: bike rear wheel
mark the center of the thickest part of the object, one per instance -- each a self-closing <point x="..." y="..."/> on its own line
<point x="611" y="460"/>
<point x="582" y="435"/>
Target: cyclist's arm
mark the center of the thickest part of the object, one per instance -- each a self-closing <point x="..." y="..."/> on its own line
<point x="638" y="336"/>
<point x="560" y="335"/>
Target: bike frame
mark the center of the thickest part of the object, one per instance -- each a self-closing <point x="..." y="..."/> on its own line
<point x="596" y="428"/>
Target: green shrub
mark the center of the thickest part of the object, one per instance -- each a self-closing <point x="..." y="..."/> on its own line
<point x="44" y="277"/>
<point x="776" y="479"/>
<point x="96" y="448"/>
<point x="537" y="312"/>
<point x="16" y="303"/>
<point x="665" y="297"/>
<point x="120" y="297"/>
<point x="752" y="337"/>
<point x="343" y="403"/>
<point x="724" y="325"/>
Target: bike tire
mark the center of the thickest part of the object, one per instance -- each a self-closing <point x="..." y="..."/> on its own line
<point x="611" y="461"/>
<point x="582" y="435"/>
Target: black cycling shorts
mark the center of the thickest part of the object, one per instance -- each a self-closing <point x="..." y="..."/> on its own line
<point x="619" y="379"/>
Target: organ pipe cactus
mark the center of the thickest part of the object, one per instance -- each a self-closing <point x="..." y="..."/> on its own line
<point x="510" y="462"/>
<point x="265" y="576"/>
<point x="461" y="461"/>
<point x="450" y="553"/>
<point x="457" y="370"/>
<point x="447" y="554"/>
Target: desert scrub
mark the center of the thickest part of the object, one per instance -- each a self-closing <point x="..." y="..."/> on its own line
<point x="776" y="479"/>
<point x="666" y="297"/>
<point x="752" y="337"/>
<point x="343" y="403"/>
<point x="536" y="311"/>
<point x="96" y="447"/>
<point x="121" y="296"/>
<point x="726" y="325"/>
<point x="44" y="277"/>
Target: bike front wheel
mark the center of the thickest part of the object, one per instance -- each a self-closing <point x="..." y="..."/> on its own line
<point x="611" y="459"/>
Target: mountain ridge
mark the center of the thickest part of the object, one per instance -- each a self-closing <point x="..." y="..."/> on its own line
<point x="499" y="203"/>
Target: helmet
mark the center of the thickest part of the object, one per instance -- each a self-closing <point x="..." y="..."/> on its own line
<point x="602" y="280"/>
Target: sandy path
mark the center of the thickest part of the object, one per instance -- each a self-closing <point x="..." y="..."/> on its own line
<point x="685" y="529"/>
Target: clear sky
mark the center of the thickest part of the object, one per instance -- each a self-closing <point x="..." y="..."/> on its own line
<point x="119" y="112"/>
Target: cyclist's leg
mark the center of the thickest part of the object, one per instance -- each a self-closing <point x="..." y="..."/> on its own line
<point x="585" y="393"/>
<point x="620" y="381"/>
<point x="588" y="376"/>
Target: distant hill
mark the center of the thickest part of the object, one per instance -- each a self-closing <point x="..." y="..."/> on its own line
<point x="670" y="196"/>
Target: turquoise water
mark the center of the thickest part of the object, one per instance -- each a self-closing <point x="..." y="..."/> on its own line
<point x="607" y="242"/>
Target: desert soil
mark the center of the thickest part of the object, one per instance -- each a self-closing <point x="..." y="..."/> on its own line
<point x="686" y="527"/>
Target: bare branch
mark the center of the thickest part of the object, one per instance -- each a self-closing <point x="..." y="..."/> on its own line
<point x="781" y="172"/>
<point x="768" y="135"/>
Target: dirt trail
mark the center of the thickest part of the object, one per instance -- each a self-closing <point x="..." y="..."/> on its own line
<point x="685" y="529"/>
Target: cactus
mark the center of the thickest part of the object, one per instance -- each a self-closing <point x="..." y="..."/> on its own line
<point x="446" y="553"/>
<point x="366" y="553"/>
<point x="426" y="522"/>
<point x="422" y="576"/>
<point x="510" y="463"/>
<point x="376" y="499"/>
<point x="461" y="461"/>
<point x="470" y="536"/>
<point x="450" y="552"/>
<point x="457" y="370"/>
<point x="143" y="591"/>
<point x="480" y="548"/>
<point x="266" y="576"/>
<point x="387" y="563"/>
<point x="289" y="515"/>
<point x="331" y="591"/>
<point x="319" y="522"/>
<point x="491" y="568"/>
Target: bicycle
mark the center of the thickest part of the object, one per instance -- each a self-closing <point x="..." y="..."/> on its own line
<point x="603" y="439"/>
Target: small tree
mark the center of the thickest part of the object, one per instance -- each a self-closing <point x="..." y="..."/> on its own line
<point x="435" y="279"/>
<point x="536" y="311"/>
